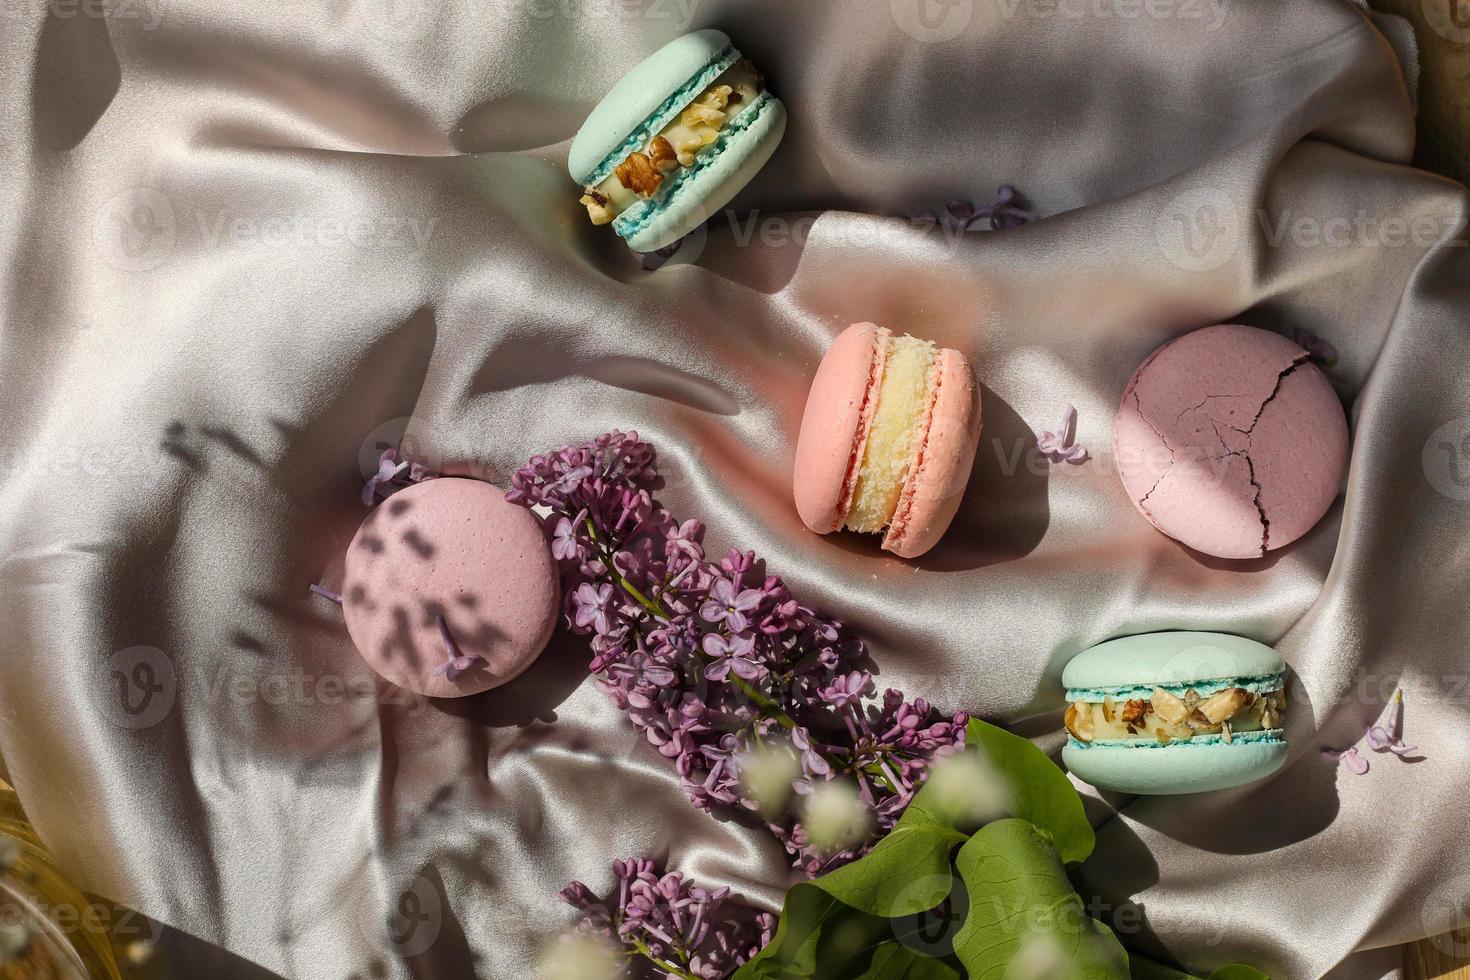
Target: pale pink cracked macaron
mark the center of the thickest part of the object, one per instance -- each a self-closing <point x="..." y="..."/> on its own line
<point x="449" y="589"/>
<point x="887" y="439"/>
<point x="1231" y="441"/>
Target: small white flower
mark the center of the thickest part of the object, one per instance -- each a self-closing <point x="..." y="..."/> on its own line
<point x="581" y="956"/>
<point x="1040" y="958"/>
<point x="766" y="775"/>
<point x="967" y="790"/>
<point x="834" y="817"/>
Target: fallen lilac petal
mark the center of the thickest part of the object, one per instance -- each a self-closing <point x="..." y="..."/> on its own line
<point x="1075" y="455"/>
<point x="1355" y="763"/>
<point x="327" y="593"/>
<point x="455" y="662"/>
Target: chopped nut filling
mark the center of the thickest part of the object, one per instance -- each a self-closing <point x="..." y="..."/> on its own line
<point x="597" y="210"/>
<point x="662" y="155"/>
<point x="640" y="175"/>
<point x="1165" y="717"/>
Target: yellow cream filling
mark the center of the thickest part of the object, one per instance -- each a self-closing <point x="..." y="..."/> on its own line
<point x="691" y="131"/>
<point x="893" y="434"/>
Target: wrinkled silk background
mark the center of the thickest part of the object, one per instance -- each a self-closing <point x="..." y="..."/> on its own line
<point x="216" y="310"/>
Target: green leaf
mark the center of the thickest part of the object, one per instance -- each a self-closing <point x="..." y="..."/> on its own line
<point x="820" y="938"/>
<point x="1040" y="791"/>
<point x="907" y="872"/>
<point x="1020" y="897"/>
<point x="1143" y="968"/>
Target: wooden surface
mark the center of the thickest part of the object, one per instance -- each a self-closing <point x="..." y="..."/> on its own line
<point x="1442" y="28"/>
<point x="1436" y="959"/>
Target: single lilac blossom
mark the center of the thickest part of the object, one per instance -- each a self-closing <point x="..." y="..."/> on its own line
<point x="1058" y="445"/>
<point x="729" y="606"/>
<point x="393" y="475"/>
<point x="594" y="606"/>
<point x="455" y="662"/>
<point x="1384" y="735"/>
<point x="731" y="653"/>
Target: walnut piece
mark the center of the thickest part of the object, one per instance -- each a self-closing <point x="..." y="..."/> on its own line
<point x="596" y="206"/>
<point x="638" y="175"/>
<point x="1134" y="711"/>
<point x="661" y="154"/>
<point x="1079" y="721"/>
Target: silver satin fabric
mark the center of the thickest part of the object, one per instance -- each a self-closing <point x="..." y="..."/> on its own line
<point x="245" y="246"/>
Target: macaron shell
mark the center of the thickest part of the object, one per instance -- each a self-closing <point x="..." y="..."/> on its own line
<point x="1300" y="449"/>
<point x="637" y="95"/>
<point x="457" y="548"/>
<point x="937" y="487"/>
<point x="1209" y="457"/>
<point x="717" y="181"/>
<point x="1179" y="767"/>
<point x="830" y="424"/>
<point x="1171" y="657"/>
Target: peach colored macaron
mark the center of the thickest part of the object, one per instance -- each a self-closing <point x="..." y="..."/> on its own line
<point x="888" y="439"/>
<point x="1231" y="441"/>
<point x="448" y="569"/>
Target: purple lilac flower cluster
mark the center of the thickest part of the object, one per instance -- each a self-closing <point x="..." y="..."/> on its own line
<point x="716" y="662"/>
<point x="684" y="930"/>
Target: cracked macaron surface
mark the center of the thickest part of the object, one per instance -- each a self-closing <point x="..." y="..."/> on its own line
<point x="1231" y="441"/>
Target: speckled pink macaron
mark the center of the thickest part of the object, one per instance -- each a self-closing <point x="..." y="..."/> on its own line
<point x="1230" y="441"/>
<point x="450" y="556"/>
<point x="840" y="410"/>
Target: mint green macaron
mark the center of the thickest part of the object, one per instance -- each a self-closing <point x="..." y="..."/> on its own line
<point x="675" y="140"/>
<point x="1175" y="712"/>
